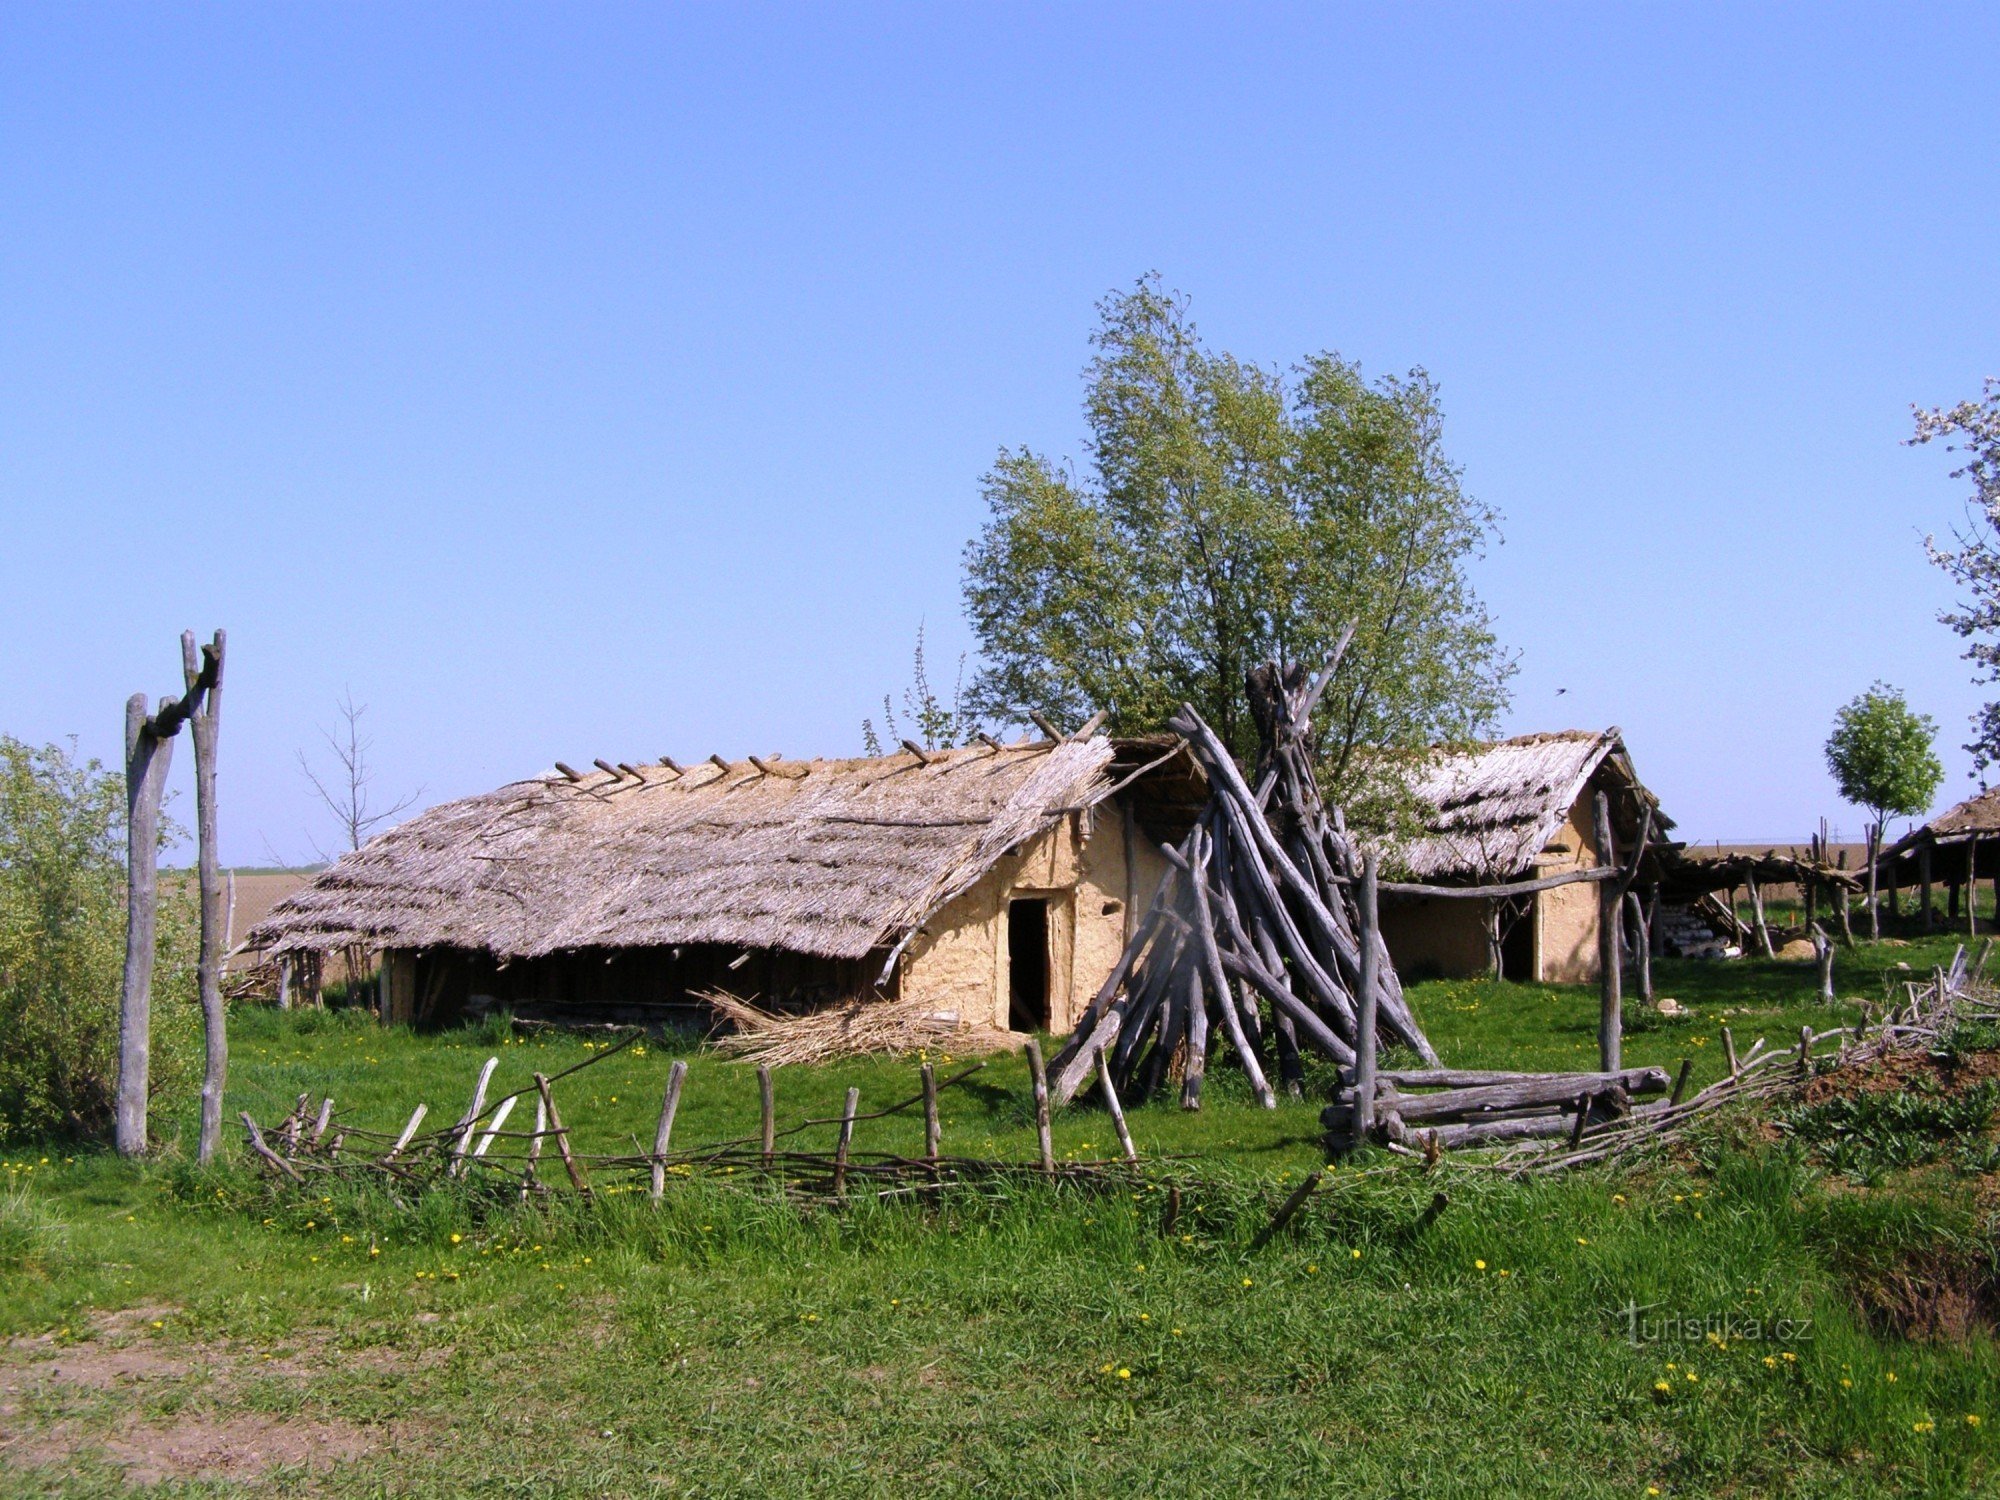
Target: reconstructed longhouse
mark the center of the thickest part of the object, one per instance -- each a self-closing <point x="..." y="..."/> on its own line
<point x="1515" y="810"/>
<point x="997" y="881"/>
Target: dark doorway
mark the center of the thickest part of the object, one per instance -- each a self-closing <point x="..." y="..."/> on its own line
<point x="1028" y="965"/>
<point x="1517" y="942"/>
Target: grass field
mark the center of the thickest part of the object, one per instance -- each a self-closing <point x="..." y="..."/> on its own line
<point x="189" y="1329"/>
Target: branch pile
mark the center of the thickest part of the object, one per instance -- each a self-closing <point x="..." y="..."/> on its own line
<point x="859" y="1028"/>
<point x="1256" y="920"/>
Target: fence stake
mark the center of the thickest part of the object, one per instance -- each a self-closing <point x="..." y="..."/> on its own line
<point x="931" y="1133"/>
<point x="570" y="1164"/>
<point x="1117" y="1113"/>
<point x="1729" y="1049"/>
<point x="846" y="1140"/>
<point x="1038" y="1075"/>
<point x="1368" y="1001"/>
<point x="767" y="1099"/>
<point x="665" y="1132"/>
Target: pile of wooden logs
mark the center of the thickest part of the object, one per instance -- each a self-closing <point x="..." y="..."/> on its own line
<point x="1445" y="1108"/>
<point x="1256" y="918"/>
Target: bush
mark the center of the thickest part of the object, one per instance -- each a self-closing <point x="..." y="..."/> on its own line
<point x="62" y="949"/>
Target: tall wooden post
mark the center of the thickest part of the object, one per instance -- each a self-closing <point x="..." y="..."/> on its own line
<point x="1610" y="998"/>
<point x="1368" y="1001"/>
<point x="203" y="726"/>
<point x="1873" y="856"/>
<point x="1972" y="887"/>
<point x="1924" y="879"/>
<point x="147" y="757"/>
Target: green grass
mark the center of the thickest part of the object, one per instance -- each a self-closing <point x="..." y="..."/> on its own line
<point x="730" y="1344"/>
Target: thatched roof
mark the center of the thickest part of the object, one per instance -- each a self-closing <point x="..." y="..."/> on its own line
<point x="1976" y="817"/>
<point x="1489" y="810"/>
<point x="830" y="857"/>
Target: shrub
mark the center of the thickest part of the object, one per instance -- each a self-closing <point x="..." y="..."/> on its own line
<point x="62" y="949"/>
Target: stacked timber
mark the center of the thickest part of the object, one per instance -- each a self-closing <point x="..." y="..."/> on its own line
<point x="1254" y="936"/>
<point x="1445" y="1108"/>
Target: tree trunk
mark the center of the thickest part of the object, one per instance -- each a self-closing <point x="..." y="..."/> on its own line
<point x="146" y="761"/>
<point x="214" y="1023"/>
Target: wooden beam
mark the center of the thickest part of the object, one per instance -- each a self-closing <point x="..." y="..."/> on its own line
<point x="570" y="773"/>
<point x="1048" y="730"/>
<point x="923" y="756"/>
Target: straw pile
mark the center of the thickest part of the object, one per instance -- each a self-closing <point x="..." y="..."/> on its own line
<point x="858" y="1028"/>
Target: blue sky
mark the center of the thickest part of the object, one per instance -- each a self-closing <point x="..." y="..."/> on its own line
<point x="617" y="380"/>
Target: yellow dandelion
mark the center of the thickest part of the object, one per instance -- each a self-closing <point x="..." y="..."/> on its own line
<point x="1479" y="1265"/>
<point x="1661" y="1386"/>
<point x="1972" y="1419"/>
<point x="1104" y="1369"/>
<point x="1355" y="1253"/>
<point x="1248" y="1282"/>
<point x="1124" y="1374"/>
<point x="456" y="1238"/>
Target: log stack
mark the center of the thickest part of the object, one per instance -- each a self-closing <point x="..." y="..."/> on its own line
<point x="1255" y="934"/>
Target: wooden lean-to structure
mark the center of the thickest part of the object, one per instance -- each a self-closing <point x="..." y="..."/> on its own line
<point x="1255" y="936"/>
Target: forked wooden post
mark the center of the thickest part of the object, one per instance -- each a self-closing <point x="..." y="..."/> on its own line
<point x="1117" y="1115"/>
<point x="1039" y="1077"/>
<point x="767" y="1100"/>
<point x="847" y="1112"/>
<point x="931" y="1133"/>
<point x="555" y="1128"/>
<point x="199" y="665"/>
<point x="1365" y="1024"/>
<point x="664" y="1134"/>
<point x="1610" y="1003"/>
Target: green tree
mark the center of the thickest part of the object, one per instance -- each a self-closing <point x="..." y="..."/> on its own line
<point x="62" y="949"/>
<point x="1881" y="758"/>
<point x="1973" y="429"/>
<point x="1232" y="515"/>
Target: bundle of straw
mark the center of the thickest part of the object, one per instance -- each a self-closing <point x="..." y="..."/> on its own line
<point x="856" y="1028"/>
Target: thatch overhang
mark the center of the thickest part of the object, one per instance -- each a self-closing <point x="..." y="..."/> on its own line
<point x="1974" y="818"/>
<point x="1490" y="811"/>
<point x="834" y="858"/>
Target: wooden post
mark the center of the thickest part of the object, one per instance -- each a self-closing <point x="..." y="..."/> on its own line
<point x="1924" y="882"/>
<point x="409" y="1130"/>
<point x="1582" y="1113"/>
<point x="1805" y="1051"/>
<point x="528" y="1183"/>
<point x="1656" y="940"/>
<point x="214" y="1021"/>
<point x="1642" y="949"/>
<point x="1610" y="1011"/>
<point x="931" y="1131"/>
<point x="767" y="1101"/>
<point x="1365" y="1024"/>
<point x="665" y="1131"/>
<point x="1038" y="1076"/>
<point x="1846" y="905"/>
<point x="1972" y="887"/>
<point x="1823" y="957"/>
<point x="1757" y="913"/>
<point x="492" y="1133"/>
<point x="147" y="757"/>
<point x="469" y="1121"/>
<point x="555" y="1127"/>
<point x="1681" y="1081"/>
<point x="846" y="1140"/>
<point x="1117" y="1113"/>
<point x="1873" y="847"/>
<point x="1729" y="1049"/>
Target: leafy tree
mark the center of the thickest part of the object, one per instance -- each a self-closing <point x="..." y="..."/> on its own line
<point x="1231" y="515"/>
<point x="1974" y="564"/>
<point x="62" y="949"/>
<point x="934" y="725"/>
<point x="1880" y="754"/>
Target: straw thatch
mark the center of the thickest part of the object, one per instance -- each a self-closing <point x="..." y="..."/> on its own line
<point x="1490" y="810"/>
<point x="862" y="1027"/>
<point x="836" y="859"/>
<point x="1976" y="817"/>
